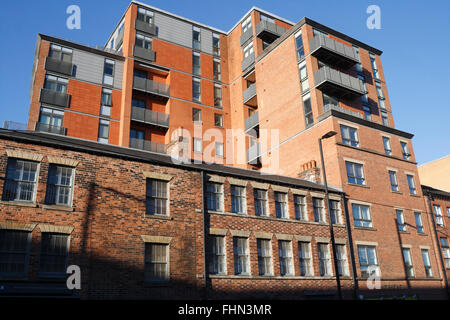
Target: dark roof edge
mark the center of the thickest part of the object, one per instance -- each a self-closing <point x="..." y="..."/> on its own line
<point x="80" y="47"/>
<point x="88" y="146"/>
<point x="364" y="122"/>
<point x="435" y="191"/>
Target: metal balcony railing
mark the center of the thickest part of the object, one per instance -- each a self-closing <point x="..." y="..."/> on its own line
<point x="146" y="27"/>
<point x="58" y="66"/>
<point x="248" y="61"/>
<point x="252" y="121"/>
<point x="246" y="35"/>
<point x="254" y="154"/>
<point x="266" y="27"/>
<point x="146" y="145"/>
<point x="119" y="39"/>
<point x="150" y="117"/>
<point x="143" y="53"/>
<point x="249" y="94"/>
<point x="43" y="127"/>
<point x="328" y="79"/>
<point x="151" y="86"/>
<point x="332" y="51"/>
<point x="54" y="98"/>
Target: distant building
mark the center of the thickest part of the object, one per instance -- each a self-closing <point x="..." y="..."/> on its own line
<point x="436" y="173"/>
<point x="12" y="125"/>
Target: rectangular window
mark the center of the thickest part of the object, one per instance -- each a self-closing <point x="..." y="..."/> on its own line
<point x="309" y="120"/>
<point x="329" y="102"/>
<point x="196" y="63"/>
<point x="108" y="72"/>
<point x="379" y="91"/>
<point x="384" y="118"/>
<point x="448" y="212"/>
<point x="304" y="254"/>
<point x="156" y="262"/>
<point x="217" y="96"/>
<point x="60" y="53"/>
<point x="381" y="104"/>
<point x="373" y="62"/>
<point x="145" y="15"/>
<point x="368" y="261"/>
<point x="299" y="46"/>
<point x="341" y="257"/>
<point x="217" y="264"/>
<point x="216" y="44"/>
<point x="355" y="173"/>
<point x="196" y="38"/>
<point x="300" y="208"/>
<point x="349" y="136"/>
<point x="217" y="70"/>
<point x="103" y="131"/>
<point x="405" y="150"/>
<point x="400" y="220"/>
<point x="438" y="214"/>
<point x="54" y="83"/>
<point x="106" y="102"/>
<point x="408" y="262"/>
<point x="286" y="263"/>
<point x="358" y="66"/>
<point x="143" y="42"/>
<point x="264" y="257"/>
<point x="335" y="210"/>
<point x="319" y="210"/>
<point x="260" y="197"/>
<point x="367" y="113"/>
<point x="197" y="142"/>
<point x="51" y="118"/>
<point x="138" y="103"/>
<point x="419" y="224"/>
<point x="387" y="146"/>
<point x="393" y="180"/>
<point x="411" y="184"/>
<point x="196" y="115"/>
<point x="214" y="196"/>
<point x="445" y="252"/>
<point x="281" y="205"/>
<point x="219" y="149"/>
<point x="21" y="180"/>
<point x="218" y="120"/>
<point x="241" y="256"/>
<point x="324" y="260"/>
<point x="361" y="216"/>
<point x="157" y="197"/>
<point x="248" y="50"/>
<point x="137" y="134"/>
<point x="303" y="76"/>
<point x="427" y="263"/>
<point x="14" y="252"/>
<point x="54" y="254"/>
<point x="237" y="199"/>
<point x="196" y="90"/>
<point x="59" y="185"/>
<point x="247" y="24"/>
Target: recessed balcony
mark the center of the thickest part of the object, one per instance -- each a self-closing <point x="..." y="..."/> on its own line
<point x="147" y="145"/>
<point x="54" y="98"/>
<point x="58" y="66"/>
<point x="246" y="35"/>
<point x="151" y="117"/>
<point x="146" y="27"/>
<point x="144" y="54"/>
<point x="268" y="31"/>
<point x="254" y="154"/>
<point x="338" y="84"/>
<point x="252" y="122"/>
<point x="332" y="52"/>
<point x="248" y="61"/>
<point x="151" y="87"/>
<point x="119" y="39"/>
<point x="249" y="96"/>
<point x="43" y="127"/>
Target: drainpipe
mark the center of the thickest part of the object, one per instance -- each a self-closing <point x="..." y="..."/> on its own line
<point x="428" y="194"/>
<point x="204" y="211"/>
<point x="350" y="244"/>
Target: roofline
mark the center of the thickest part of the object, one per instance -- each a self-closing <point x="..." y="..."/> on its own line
<point x="434" y="191"/>
<point x="80" y="46"/>
<point x="89" y="146"/>
<point x="435" y="160"/>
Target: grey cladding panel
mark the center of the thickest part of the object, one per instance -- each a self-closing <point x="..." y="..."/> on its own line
<point x="118" y="74"/>
<point x="206" y="41"/>
<point x="173" y="30"/>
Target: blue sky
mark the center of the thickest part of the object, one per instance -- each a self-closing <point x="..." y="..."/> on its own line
<point x="414" y="37"/>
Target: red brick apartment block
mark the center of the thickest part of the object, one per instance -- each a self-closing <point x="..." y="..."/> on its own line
<point x="161" y="77"/>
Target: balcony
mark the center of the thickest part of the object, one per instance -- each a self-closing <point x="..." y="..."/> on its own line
<point x="332" y="52"/>
<point x="252" y="122"/>
<point x="338" y="84"/>
<point x="145" y="27"/>
<point x="246" y="35"/>
<point x="58" y="66"/>
<point x="248" y="62"/>
<point x="249" y="96"/>
<point x="151" y="117"/>
<point x="147" y="145"/>
<point x="119" y="40"/>
<point x="54" y="98"/>
<point x="254" y="154"/>
<point x="42" y="127"/>
<point x="152" y="87"/>
<point x="268" y="31"/>
<point x="143" y="53"/>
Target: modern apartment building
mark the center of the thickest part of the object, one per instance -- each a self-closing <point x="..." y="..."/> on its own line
<point x="163" y="83"/>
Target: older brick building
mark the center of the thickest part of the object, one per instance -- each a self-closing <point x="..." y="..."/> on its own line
<point x="258" y="97"/>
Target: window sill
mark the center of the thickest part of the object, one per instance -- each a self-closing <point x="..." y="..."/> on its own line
<point x="20" y="204"/>
<point x="366" y="228"/>
<point x="422" y="234"/>
<point x="56" y="207"/>
<point x="397" y="192"/>
<point x="415" y="195"/>
<point x="154" y="216"/>
<point x="404" y="232"/>
<point x="273" y="277"/>
<point x="358" y="185"/>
